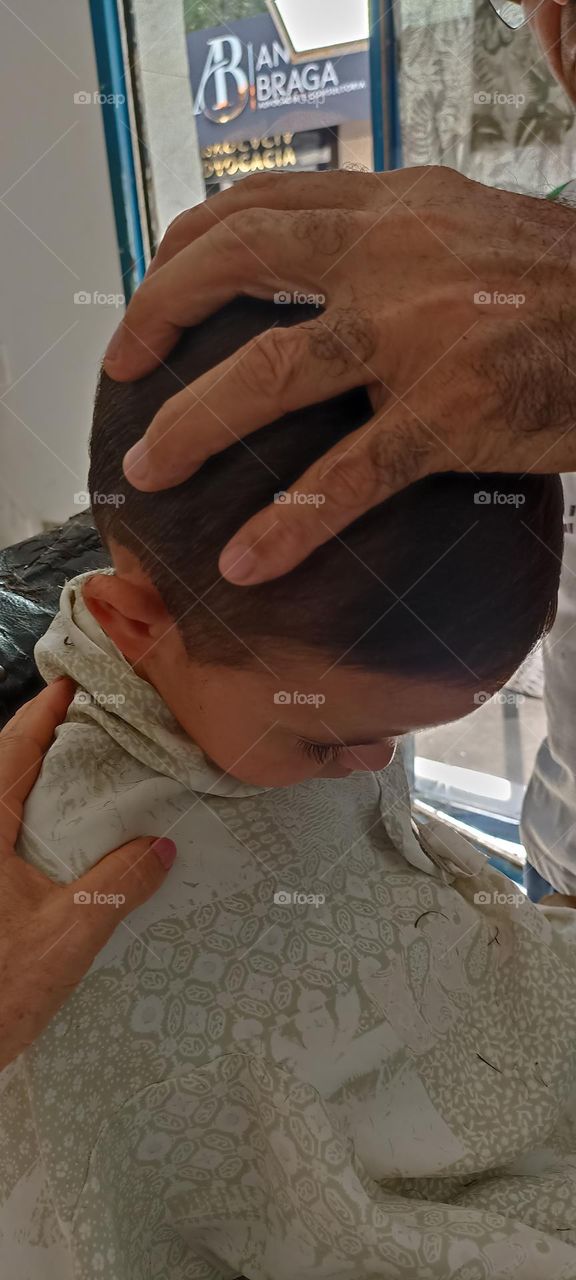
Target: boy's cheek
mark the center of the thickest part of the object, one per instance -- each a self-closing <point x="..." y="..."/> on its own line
<point x="253" y="766"/>
<point x="226" y="722"/>
<point x="251" y="762"/>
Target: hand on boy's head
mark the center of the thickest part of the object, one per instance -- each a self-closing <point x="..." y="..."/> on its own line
<point x="407" y="277"/>
<point x="50" y="933"/>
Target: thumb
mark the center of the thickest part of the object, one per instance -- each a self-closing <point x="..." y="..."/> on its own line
<point x="122" y="881"/>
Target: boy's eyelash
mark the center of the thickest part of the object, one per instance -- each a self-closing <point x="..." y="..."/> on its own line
<point x="321" y="752"/>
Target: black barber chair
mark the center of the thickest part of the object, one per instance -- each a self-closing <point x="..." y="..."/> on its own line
<point x="32" y="574"/>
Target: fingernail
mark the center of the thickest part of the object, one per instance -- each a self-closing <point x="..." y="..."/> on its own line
<point x="115" y="343"/>
<point x="137" y="462"/>
<point x="165" y="851"/>
<point x="238" y="562"/>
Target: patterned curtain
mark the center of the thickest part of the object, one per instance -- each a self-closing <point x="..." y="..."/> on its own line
<point x="479" y="97"/>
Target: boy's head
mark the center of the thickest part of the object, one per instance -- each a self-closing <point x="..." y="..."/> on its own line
<point x="405" y="620"/>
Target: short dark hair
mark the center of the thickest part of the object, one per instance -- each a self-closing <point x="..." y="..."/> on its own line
<point x="431" y="583"/>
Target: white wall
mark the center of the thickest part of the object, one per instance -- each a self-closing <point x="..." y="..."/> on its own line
<point x="57" y="237"/>
<point x="166" y="102"/>
<point x="355" y="145"/>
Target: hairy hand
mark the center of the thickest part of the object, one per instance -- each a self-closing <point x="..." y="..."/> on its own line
<point x="453" y="302"/>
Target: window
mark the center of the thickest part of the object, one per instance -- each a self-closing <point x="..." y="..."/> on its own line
<point x="220" y="92"/>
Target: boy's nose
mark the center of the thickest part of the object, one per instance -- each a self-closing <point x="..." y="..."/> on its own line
<point x="371" y="758"/>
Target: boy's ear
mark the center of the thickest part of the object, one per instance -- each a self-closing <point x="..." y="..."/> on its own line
<point x="131" y="613"/>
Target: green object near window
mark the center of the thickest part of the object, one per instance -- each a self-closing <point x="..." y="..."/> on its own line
<point x="199" y="14"/>
<point x="553" y="195"/>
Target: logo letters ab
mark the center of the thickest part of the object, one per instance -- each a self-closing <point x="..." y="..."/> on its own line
<point x="221" y="63"/>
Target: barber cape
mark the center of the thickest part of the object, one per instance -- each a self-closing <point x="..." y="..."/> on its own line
<point x="548" y="826"/>
<point x="327" y="1049"/>
<point x="549" y="812"/>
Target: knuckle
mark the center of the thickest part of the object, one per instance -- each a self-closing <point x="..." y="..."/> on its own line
<point x="258" y="182"/>
<point x="417" y="171"/>
<point x="289" y="531"/>
<point x="431" y="185"/>
<point x="354" y="185"/>
<point x="176" y="237"/>
<point x="347" y="337"/>
<point x="161" y="435"/>
<point x="353" y="479"/>
<point x="399" y="454"/>
<point x="385" y="459"/>
<point x="443" y="175"/>
<point x="177" y="224"/>
<point x="268" y="366"/>
<point x="327" y="231"/>
<point x="243" y="226"/>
